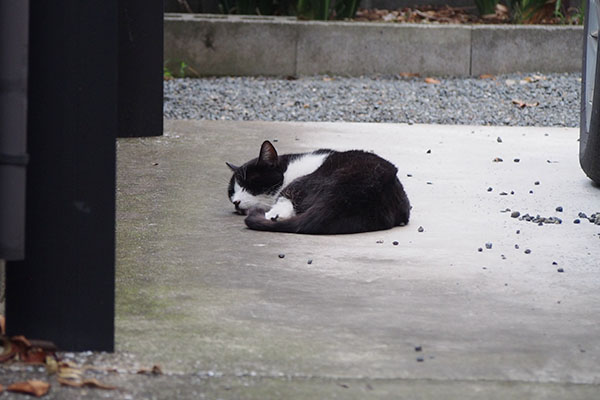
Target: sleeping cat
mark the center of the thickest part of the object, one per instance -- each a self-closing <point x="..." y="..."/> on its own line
<point x="322" y="192"/>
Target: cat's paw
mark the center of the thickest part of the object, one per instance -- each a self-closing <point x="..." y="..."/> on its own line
<point x="283" y="209"/>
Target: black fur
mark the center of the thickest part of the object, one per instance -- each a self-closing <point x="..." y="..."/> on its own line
<point x="352" y="191"/>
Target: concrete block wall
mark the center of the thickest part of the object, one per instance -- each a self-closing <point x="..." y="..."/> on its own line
<point x="281" y="46"/>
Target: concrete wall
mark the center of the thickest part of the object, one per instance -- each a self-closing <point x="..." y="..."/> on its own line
<point x="247" y="45"/>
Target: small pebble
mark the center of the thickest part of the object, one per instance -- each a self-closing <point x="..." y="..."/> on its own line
<point x="499" y="139"/>
<point x="559" y="209"/>
<point x="515" y="214"/>
<point x="503" y="194"/>
<point x="418" y="348"/>
<point x="576" y="221"/>
<point x="516" y="246"/>
<point x="531" y="192"/>
<point x="518" y="231"/>
<point x="395" y="243"/>
<point x="560" y="270"/>
<point x="498" y="159"/>
<point x="281" y="255"/>
<point x="582" y="215"/>
<point x="489" y="189"/>
<point x="379" y="241"/>
<point x="488" y="245"/>
<point x="409" y="175"/>
<point x="536" y="182"/>
<point x="420" y="359"/>
<point x="554" y="263"/>
<point x="309" y="262"/>
<point x="527" y="251"/>
<point x="429" y="151"/>
<point x="516" y="160"/>
<point x="480" y="249"/>
<point x="512" y="192"/>
<point x="420" y="229"/>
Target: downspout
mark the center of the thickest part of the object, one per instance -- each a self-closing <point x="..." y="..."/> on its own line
<point x="14" y="34"/>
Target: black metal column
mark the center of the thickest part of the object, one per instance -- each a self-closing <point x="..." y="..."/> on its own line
<point x="140" y="68"/>
<point x="64" y="289"/>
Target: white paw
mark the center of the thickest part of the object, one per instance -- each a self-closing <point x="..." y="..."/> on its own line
<point x="283" y="209"/>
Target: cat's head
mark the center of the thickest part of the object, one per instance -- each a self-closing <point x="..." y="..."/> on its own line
<point x="256" y="183"/>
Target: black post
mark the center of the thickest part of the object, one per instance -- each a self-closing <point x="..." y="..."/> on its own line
<point x="64" y="289"/>
<point x="140" y="68"/>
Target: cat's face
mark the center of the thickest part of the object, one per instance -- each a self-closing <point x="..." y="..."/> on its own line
<point x="256" y="183"/>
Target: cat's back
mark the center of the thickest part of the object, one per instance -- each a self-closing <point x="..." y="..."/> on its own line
<point x="358" y="165"/>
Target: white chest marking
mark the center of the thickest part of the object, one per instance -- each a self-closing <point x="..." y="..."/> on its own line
<point x="301" y="166"/>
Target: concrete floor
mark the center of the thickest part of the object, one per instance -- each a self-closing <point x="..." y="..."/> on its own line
<point x="203" y="296"/>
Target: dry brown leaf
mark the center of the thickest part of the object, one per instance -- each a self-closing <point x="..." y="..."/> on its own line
<point x="155" y="370"/>
<point x="432" y="81"/>
<point x="32" y="387"/>
<point x="69" y="373"/>
<point x="1" y="388"/>
<point x="2" y="324"/>
<point x="487" y="76"/>
<point x="409" y="74"/>
<point x="522" y="104"/>
<point x="91" y="382"/>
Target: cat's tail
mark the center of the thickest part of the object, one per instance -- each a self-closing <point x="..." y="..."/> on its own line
<point x="256" y="220"/>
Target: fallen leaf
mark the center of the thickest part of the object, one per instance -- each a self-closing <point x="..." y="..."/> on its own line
<point x="70" y="373"/>
<point x="1" y="388"/>
<point x="155" y="370"/>
<point x="32" y="387"/>
<point x="522" y="104"/>
<point x="2" y="324"/>
<point x="487" y="76"/>
<point x="432" y="81"/>
<point x="409" y="75"/>
<point x="91" y="382"/>
<point x="498" y="159"/>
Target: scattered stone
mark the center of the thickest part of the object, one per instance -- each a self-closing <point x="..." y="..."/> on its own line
<point x="309" y="262"/>
<point x="560" y="270"/>
<point x="576" y="221"/>
<point x="282" y="256"/>
<point x="395" y="243"/>
<point x="420" y="229"/>
<point x="499" y="139"/>
<point x="518" y="231"/>
<point x="498" y="159"/>
<point x="409" y="175"/>
<point x="527" y="251"/>
<point x="488" y="245"/>
<point x="536" y="182"/>
<point x="531" y="192"/>
<point x="515" y="214"/>
<point x="512" y="192"/>
<point x="420" y="359"/>
<point x="582" y="215"/>
<point x="554" y="263"/>
<point x="429" y="151"/>
<point x="379" y="241"/>
<point x="418" y="348"/>
<point x="503" y="194"/>
<point x="516" y="160"/>
<point x="559" y="209"/>
<point x="505" y="210"/>
<point x="489" y="189"/>
<point x="429" y="183"/>
<point x="502" y="256"/>
<point x="516" y="246"/>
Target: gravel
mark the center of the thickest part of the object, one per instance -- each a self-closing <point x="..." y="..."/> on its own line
<point x="472" y="101"/>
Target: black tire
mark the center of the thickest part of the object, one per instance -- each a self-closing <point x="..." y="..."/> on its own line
<point x="589" y="132"/>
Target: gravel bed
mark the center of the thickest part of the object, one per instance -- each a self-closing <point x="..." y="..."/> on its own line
<point x="515" y="100"/>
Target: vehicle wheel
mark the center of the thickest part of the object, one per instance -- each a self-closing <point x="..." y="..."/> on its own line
<point x="589" y="136"/>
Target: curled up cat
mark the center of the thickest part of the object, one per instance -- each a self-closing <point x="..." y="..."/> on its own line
<point x="321" y="192"/>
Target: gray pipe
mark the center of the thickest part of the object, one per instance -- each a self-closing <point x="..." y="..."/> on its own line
<point x="14" y="35"/>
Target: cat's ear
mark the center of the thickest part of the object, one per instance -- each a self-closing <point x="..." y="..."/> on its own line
<point x="231" y="166"/>
<point x="268" y="154"/>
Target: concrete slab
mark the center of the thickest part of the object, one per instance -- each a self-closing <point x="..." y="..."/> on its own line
<point x="361" y="48"/>
<point x="247" y="45"/>
<point x="221" y="45"/>
<point x="522" y="48"/>
<point x="208" y="299"/>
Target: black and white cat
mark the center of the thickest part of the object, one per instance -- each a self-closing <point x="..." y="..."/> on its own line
<point x="322" y="192"/>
